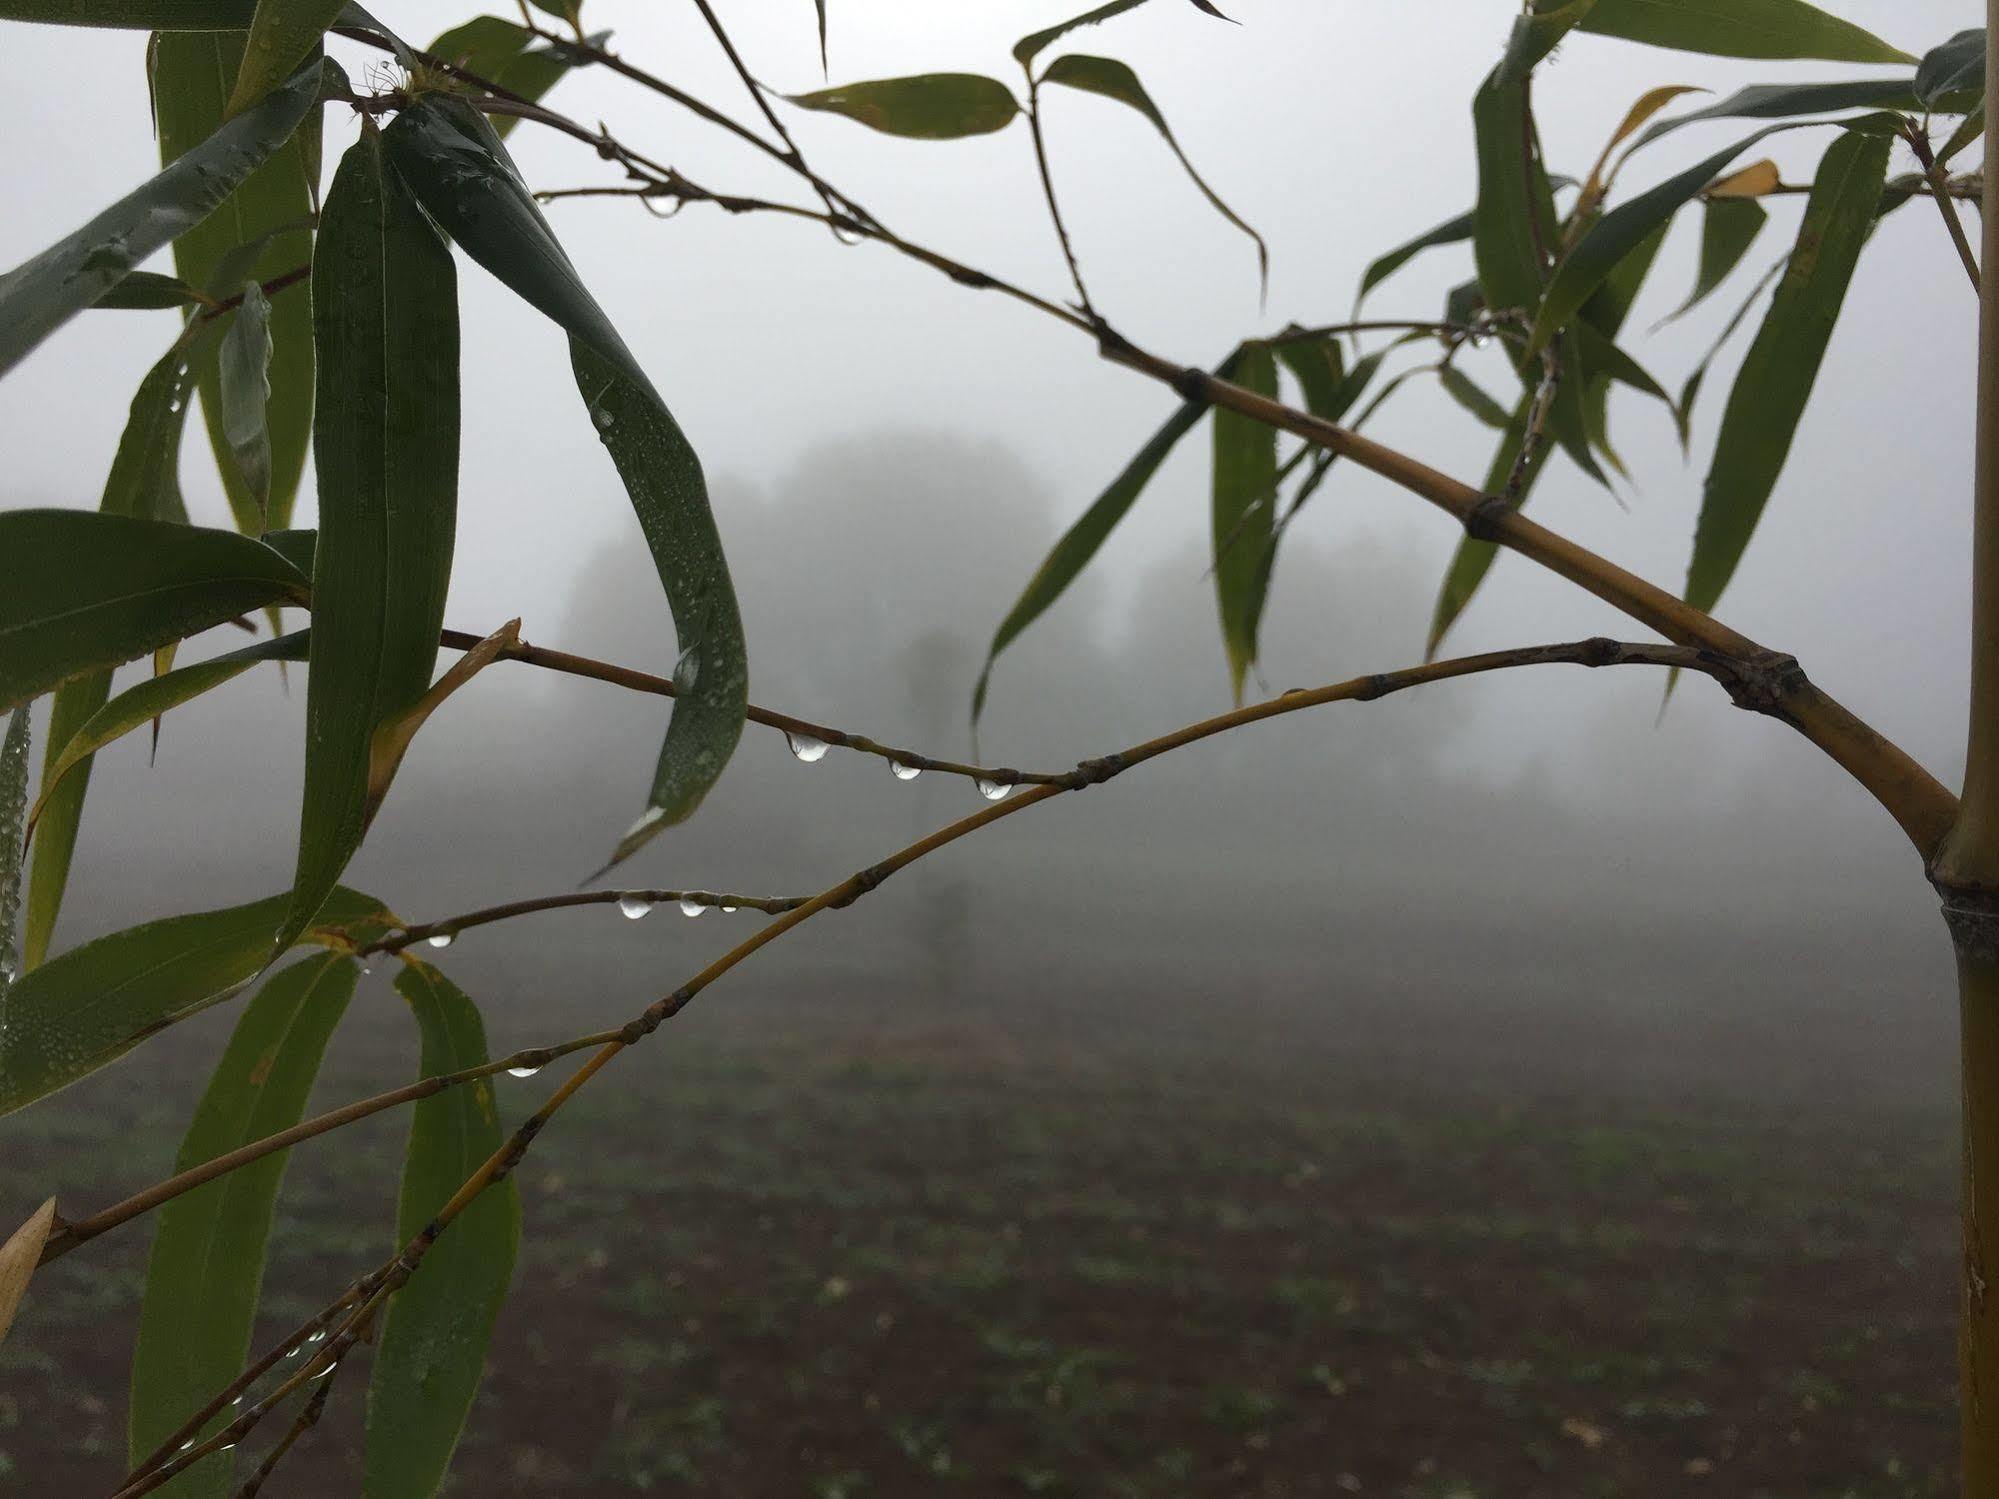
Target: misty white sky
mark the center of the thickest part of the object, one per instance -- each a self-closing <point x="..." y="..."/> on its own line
<point x="1338" y="128"/>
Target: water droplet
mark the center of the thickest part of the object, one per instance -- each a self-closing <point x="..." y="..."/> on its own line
<point x="522" y="1071"/>
<point x="809" y="750"/>
<point x="728" y="910"/>
<point x="318" y="1336"/>
<point x="994" y="791"/>
<point x="226" y="1447"/>
<point x="692" y="905"/>
<point x="603" y="418"/>
<point x="633" y="906"/>
<point x="185" y="1445"/>
<point x="904" y="771"/>
<point x="441" y="939"/>
<point x="686" y="670"/>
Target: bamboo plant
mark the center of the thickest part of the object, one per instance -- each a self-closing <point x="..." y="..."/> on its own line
<point x="319" y="320"/>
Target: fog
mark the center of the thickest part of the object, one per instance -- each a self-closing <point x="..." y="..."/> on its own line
<point x="891" y="455"/>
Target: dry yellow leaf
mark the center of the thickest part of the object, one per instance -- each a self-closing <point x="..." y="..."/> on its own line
<point x="18" y="1258"/>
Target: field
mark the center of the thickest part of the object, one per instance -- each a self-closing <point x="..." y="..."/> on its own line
<point x="859" y="1248"/>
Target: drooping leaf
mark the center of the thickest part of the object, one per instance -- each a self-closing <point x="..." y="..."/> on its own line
<point x="137" y="706"/>
<point x="385" y="440"/>
<point x="1627" y="226"/>
<point x="1690" y="391"/>
<point x="41" y="294"/>
<point x="1740" y="28"/>
<point x="506" y="53"/>
<point x="282" y="34"/>
<point x="1072" y="553"/>
<point x="261" y="231"/>
<point x="244" y="368"/>
<point x="80" y="590"/>
<point x="465" y="179"/>
<point x="1472" y="397"/>
<point x="1029" y="47"/>
<point x="1783" y="363"/>
<point x="1245" y="475"/>
<point x="1320" y="370"/>
<point x="928" y="106"/>
<point x="434" y="1339"/>
<point x="18" y="1258"/>
<point x="149" y="291"/>
<point x="1114" y="80"/>
<point x="94" y="1003"/>
<point x="1951" y="78"/>
<point x="1781" y="101"/>
<point x="1728" y="229"/>
<point x="13" y="829"/>
<point x="824" y="64"/>
<point x="1473" y="558"/>
<point x="206" y="1272"/>
<point x="1513" y="221"/>
<point x="1596" y="354"/>
<point x="1450" y="232"/>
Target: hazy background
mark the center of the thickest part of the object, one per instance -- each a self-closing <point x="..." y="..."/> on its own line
<point x="890" y="455"/>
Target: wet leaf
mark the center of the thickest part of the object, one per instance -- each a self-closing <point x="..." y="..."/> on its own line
<point x="18" y="1258"/>
<point x="435" y="1336"/>
<point x="41" y="294"/>
<point x="464" y="177"/>
<point x="282" y="34"/>
<point x="205" y="1276"/>
<point x="1114" y="80"/>
<point x="385" y="320"/>
<point x="1783" y="363"/>
<point x="244" y="367"/>
<point x="929" y="106"/>
<point x="506" y="53"/>
<point x="1740" y="28"/>
<point x="92" y="1004"/>
<point x="150" y="291"/>
<point x="1951" y="78"/>
<point x="1243" y="514"/>
<point x="13" y="831"/>
<point x="80" y="590"/>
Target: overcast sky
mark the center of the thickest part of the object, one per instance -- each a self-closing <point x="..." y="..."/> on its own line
<point x="959" y="432"/>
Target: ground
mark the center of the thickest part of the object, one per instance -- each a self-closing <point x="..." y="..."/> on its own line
<point x="887" y="1250"/>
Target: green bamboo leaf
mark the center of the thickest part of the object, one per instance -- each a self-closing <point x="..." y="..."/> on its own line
<point x="505" y="52"/>
<point x="138" y="705"/>
<point x="824" y="65"/>
<point x="1472" y="397"/>
<point x="1728" y="228"/>
<point x="1627" y="226"/>
<point x="463" y="176"/>
<point x="282" y="34"/>
<point x="1321" y="372"/>
<point x="1451" y="232"/>
<point x="1600" y="361"/>
<point x="58" y="818"/>
<point x="1112" y="79"/>
<point x="80" y="590"/>
<point x="41" y="294"/>
<point x="150" y="291"/>
<point x="13" y="832"/>
<point x="1072" y="553"/>
<point x="261" y="231"/>
<point x="1740" y="28"/>
<point x="385" y="440"/>
<point x="1245" y="473"/>
<point x="929" y="106"/>
<point x="205" y="1276"/>
<point x="1473" y="559"/>
<point x="1690" y="392"/>
<point x="92" y="1004"/>
<point x="244" y="368"/>
<point x="1779" y="101"/>
<point x="1783" y="363"/>
<point x="434" y="1339"/>
<point x="1513" y="221"/>
<point x="1951" y="78"/>
<point x="1029" y="47"/>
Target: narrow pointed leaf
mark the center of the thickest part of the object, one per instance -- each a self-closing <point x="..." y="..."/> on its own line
<point x="1473" y="559"/>
<point x="1029" y="47"/>
<point x="80" y="590"/>
<point x="1740" y="28"/>
<point x="150" y="291"/>
<point x="261" y="231"/>
<point x="1783" y="363"/>
<point x="58" y="815"/>
<point x="94" y="1003"/>
<point x="1450" y="232"/>
<point x="928" y="106"/>
<point x="1245" y="473"/>
<point x="435" y="1336"/>
<point x="465" y="179"/>
<point x="18" y="1258"/>
<point x="1320" y="370"/>
<point x="13" y="829"/>
<point x="134" y="708"/>
<point x="1513" y="221"/>
<point x="40" y="295"/>
<point x="205" y="1276"/>
<point x="1728" y="229"/>
<point x="385" y="319"/>
<point x="282" y="34"/>
<point x="1114" y="80"/>
<point x="1072" y="553"/>
<point x="505" y="52"/>
<point x="1951" y="79"/>
<point x="244" y="369"/>
<point x="1690" y="392"/>
<point x="820" y="6"/>
<point x="1472" y="397"/>
<point x="1778" y="101"/>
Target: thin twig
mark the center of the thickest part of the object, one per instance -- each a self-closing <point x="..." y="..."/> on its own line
<point x="1048" y="191"/>
<point x="450" y="926"/>
<point x="1940" y="190"/>
<point x="308" y="1417"/>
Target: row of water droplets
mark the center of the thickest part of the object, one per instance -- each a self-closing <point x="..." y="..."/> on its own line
<point x="810" y="750"/>
<point x="298" y="1350"/>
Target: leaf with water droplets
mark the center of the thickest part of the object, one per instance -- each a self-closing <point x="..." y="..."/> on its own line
<point x="18" y="1258"/>
<point x="929" y="106"/>
<point x="463" y="175"/>
<point x="504" y="52"/>
<point x="80" y="590"/>
<point x="282" y="34"/>
<point x="205" y="1275"/>
<point x="434" y="1337"/>
<point x="96" y="1002"/>
<point x="385" y="315"/>
<point x="43" y="293"/>
<point x="13" y="827"/>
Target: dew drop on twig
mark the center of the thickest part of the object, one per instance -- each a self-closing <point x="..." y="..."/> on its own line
<point x="632" y="907"/>
<point x="807" y="749"/>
